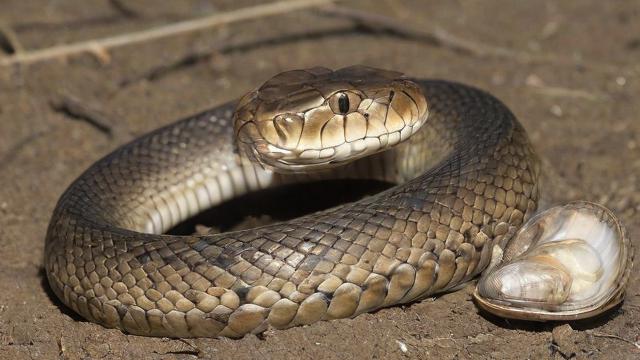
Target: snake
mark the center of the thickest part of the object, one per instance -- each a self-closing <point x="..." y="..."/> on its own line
<point x="464" y="175"/>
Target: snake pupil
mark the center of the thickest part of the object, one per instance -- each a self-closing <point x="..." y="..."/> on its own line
<point x="343" y="103"/>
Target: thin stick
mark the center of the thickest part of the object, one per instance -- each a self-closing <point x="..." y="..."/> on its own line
<point x="11" y="38"/>
<point x="611" y="336"/>
<point x="76" y="109"/>
<point x="162" y="31"/>
<point x="440" y="37"/>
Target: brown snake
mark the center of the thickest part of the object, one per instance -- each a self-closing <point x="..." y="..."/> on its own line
<point x="467" y="180"/>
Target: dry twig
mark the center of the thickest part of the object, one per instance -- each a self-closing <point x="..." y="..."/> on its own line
<point x="539" y="86"/>
<point x="441" y="37"/>
<point x="7" y="33"/>
<point x="76" y="109"/>
<point x="14" y="150"/>
<point x="612" y="336"/>
<point x="102" y="45"/>
<point x="123" y="9"/>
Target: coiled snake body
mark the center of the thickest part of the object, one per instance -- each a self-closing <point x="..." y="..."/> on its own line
<point x="467" y="179"/>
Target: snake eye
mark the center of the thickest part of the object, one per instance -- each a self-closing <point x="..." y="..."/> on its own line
<point x="344" y="102"/>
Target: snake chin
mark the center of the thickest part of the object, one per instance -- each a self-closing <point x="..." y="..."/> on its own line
<point x="566" y="263"/>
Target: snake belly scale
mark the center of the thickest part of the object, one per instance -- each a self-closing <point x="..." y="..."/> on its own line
<point x="466" y="182"/>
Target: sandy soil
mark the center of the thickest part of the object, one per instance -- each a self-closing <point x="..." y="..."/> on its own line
<point x="569" y="71"/>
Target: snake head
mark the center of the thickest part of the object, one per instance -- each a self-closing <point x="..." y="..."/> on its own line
<point x="315" y="118"/>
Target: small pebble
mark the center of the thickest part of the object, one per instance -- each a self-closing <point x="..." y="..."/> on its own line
<point x="561" y="334"/>
<point x="556" y="110"/>
<point x="403" y="346"/>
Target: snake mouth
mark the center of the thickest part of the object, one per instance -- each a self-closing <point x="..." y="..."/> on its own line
<point x="285" y="160"/>
<point x="305" y="120"/>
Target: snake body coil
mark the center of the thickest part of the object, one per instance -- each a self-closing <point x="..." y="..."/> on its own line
<point x="468" y="179"/>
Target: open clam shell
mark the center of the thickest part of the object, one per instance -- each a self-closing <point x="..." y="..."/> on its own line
<point x="568" y="262"/>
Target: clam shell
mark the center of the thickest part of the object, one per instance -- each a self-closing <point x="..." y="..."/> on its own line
<point x="568" y="262"/>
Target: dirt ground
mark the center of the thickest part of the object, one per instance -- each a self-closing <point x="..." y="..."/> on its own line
<point x="569" y="70"/>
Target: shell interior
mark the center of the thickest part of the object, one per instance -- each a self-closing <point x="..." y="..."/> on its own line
<point x="571" y="262"/>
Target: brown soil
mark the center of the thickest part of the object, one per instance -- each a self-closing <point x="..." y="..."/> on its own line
<point x="569" y="71"/>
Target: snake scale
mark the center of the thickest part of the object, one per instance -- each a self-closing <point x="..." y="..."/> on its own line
<point x="465" y="181"/>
